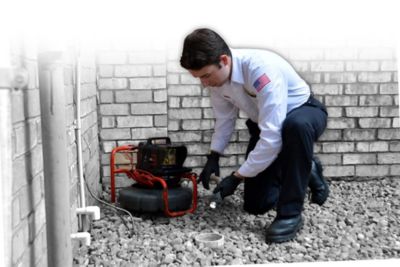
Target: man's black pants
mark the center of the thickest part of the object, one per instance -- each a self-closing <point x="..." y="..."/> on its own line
<point x="284" y="183"/>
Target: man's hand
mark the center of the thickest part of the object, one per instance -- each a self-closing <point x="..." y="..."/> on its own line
<point x="211" y="166"/>
<point x="228" y="185"/>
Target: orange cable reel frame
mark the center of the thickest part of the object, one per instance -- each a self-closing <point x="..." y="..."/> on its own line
<point x="146" y="178"/>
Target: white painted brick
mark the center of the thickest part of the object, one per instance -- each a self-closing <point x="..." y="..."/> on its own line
<point x="113" y="83"/>
<point x="394" y="146"/>
<point x="361" y="111"/>
<point x="331" y="135"/>
<point x="185" y="136"/>
<point x="147" y="57"/>
<point x="208" y="113"/>
<point x="377" y="100"/>
<point x="113" y="134"/>
<point x="111" y="57"/>
<point x="106" y="71"/>
<point x="396" y="123"/>
<point x="351" y="159"/>
<point x="133" y="96"/>
<point x="132" y="71"/>
<point x="362" y="66"/>
<point x="388" y="134"/>
<point x="149" y="108"/>
<point x="300" y="66"/>
<point x="236" y="148"/>
<point x="16" y="218"/>
<point x="207" y="124"/>
<point x="395" y="170"/>
<point x="160" y="70"/>
<point x="338" y="147"/>
<point x="340" y="77"/>
<point x="229" y="161"/>
<point x="306" y="54"/>
<point x="361" y="89"/>
<point x="375" y="146"/>
<point x="144" y="133"/>
<point x="161" y="120"/>
<point x="114" y="109"/>
<point x="175" y="67"/>
<point x="388" y="158"/>
<point x="327" y="89"/>
<point x="376" y="53"/>
<point x="174" y="102"/>
<point x="335" y="112"/>
<point x="327" y="66"/>
<point x="198" y="149"/>
<point x="389" y="65"/>
<point x="173" y="125"/>
<point x="160" y="95"/>
<point x="108" y="146"/>
<point x="184" y="90"/>
<point x="389" y="112"/>
<point x="106" y="97"/>
<point x="148" y="83"/>
<point x="187" y="78"/>
<point x="191" y="102"/>
<point x="193" y="113"/>
<point x="341" y="100"/>
<point x="359" y="134"/>
<point x="191" y="124"/>
<point x="330" y="159"/>
<point x="107" y="122"/>
<point x="375" y="77"/>
<point x="389" y="88"/>
<point x="341" y="53"/>
<point x="134" y="121"/>
<point x="194" y="161"/>
<point x="372" y="171"/>
<point x="172" y="78"/>
<point x="374" y="123"/>
<point x="205" y="102"/>
<point x="340" y="123"/>
<point x="19" y="243"/>
<point x="311" y="77"/>
<point x="338" y="171"/>
<point x="32" y="103"/>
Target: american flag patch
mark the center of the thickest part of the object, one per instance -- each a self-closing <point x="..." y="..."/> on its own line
<point x="262" y="81"/>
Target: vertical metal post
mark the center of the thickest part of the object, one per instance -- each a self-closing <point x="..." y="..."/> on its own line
<point x="56" y="178"/>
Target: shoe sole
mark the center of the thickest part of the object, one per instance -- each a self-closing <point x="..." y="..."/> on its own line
<point x="284" y="238"/>
<point x="325" y="196"/>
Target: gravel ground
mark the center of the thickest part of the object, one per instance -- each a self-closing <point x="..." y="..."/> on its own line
<point x="360" y="220"/>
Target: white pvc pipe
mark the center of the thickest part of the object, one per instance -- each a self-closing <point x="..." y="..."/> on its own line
<point x="78" y="130"/>
<point x="82" y="237"/>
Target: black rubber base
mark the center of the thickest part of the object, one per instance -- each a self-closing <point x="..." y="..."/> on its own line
<point x="141" y="199"/>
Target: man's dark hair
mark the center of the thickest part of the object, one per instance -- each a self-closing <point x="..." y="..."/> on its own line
<point x="201" y="48"/>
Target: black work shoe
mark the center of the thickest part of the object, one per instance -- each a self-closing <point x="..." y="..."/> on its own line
<point x="283" y="229"/>
<point x="319" y="187"/>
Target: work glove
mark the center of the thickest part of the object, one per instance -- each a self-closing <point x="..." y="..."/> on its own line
<point x="211" y="166"/>
<point x="228" y="185"/>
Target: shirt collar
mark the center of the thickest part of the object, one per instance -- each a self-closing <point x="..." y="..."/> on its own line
<point x="237" y="73"/>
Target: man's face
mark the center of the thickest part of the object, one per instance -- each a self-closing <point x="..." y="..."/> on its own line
<point x="212" y="75"/>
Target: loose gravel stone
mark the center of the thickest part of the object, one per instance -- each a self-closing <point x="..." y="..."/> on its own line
<point x="360" y="220"/>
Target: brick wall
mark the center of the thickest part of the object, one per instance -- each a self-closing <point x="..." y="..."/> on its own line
<point x="89" y="130"/>
<point x="358" y="85"/>
<point x="29" y="246"/>
<point x="28" y="204"/>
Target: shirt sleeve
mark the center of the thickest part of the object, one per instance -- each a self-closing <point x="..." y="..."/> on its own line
<point x="225" y="114"/>
<point x="271" y="92"/>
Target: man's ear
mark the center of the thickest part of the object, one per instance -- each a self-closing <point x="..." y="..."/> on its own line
<point x="225" y="59"/>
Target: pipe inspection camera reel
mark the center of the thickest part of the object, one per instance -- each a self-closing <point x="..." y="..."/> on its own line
<point x="157" y="167"/>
